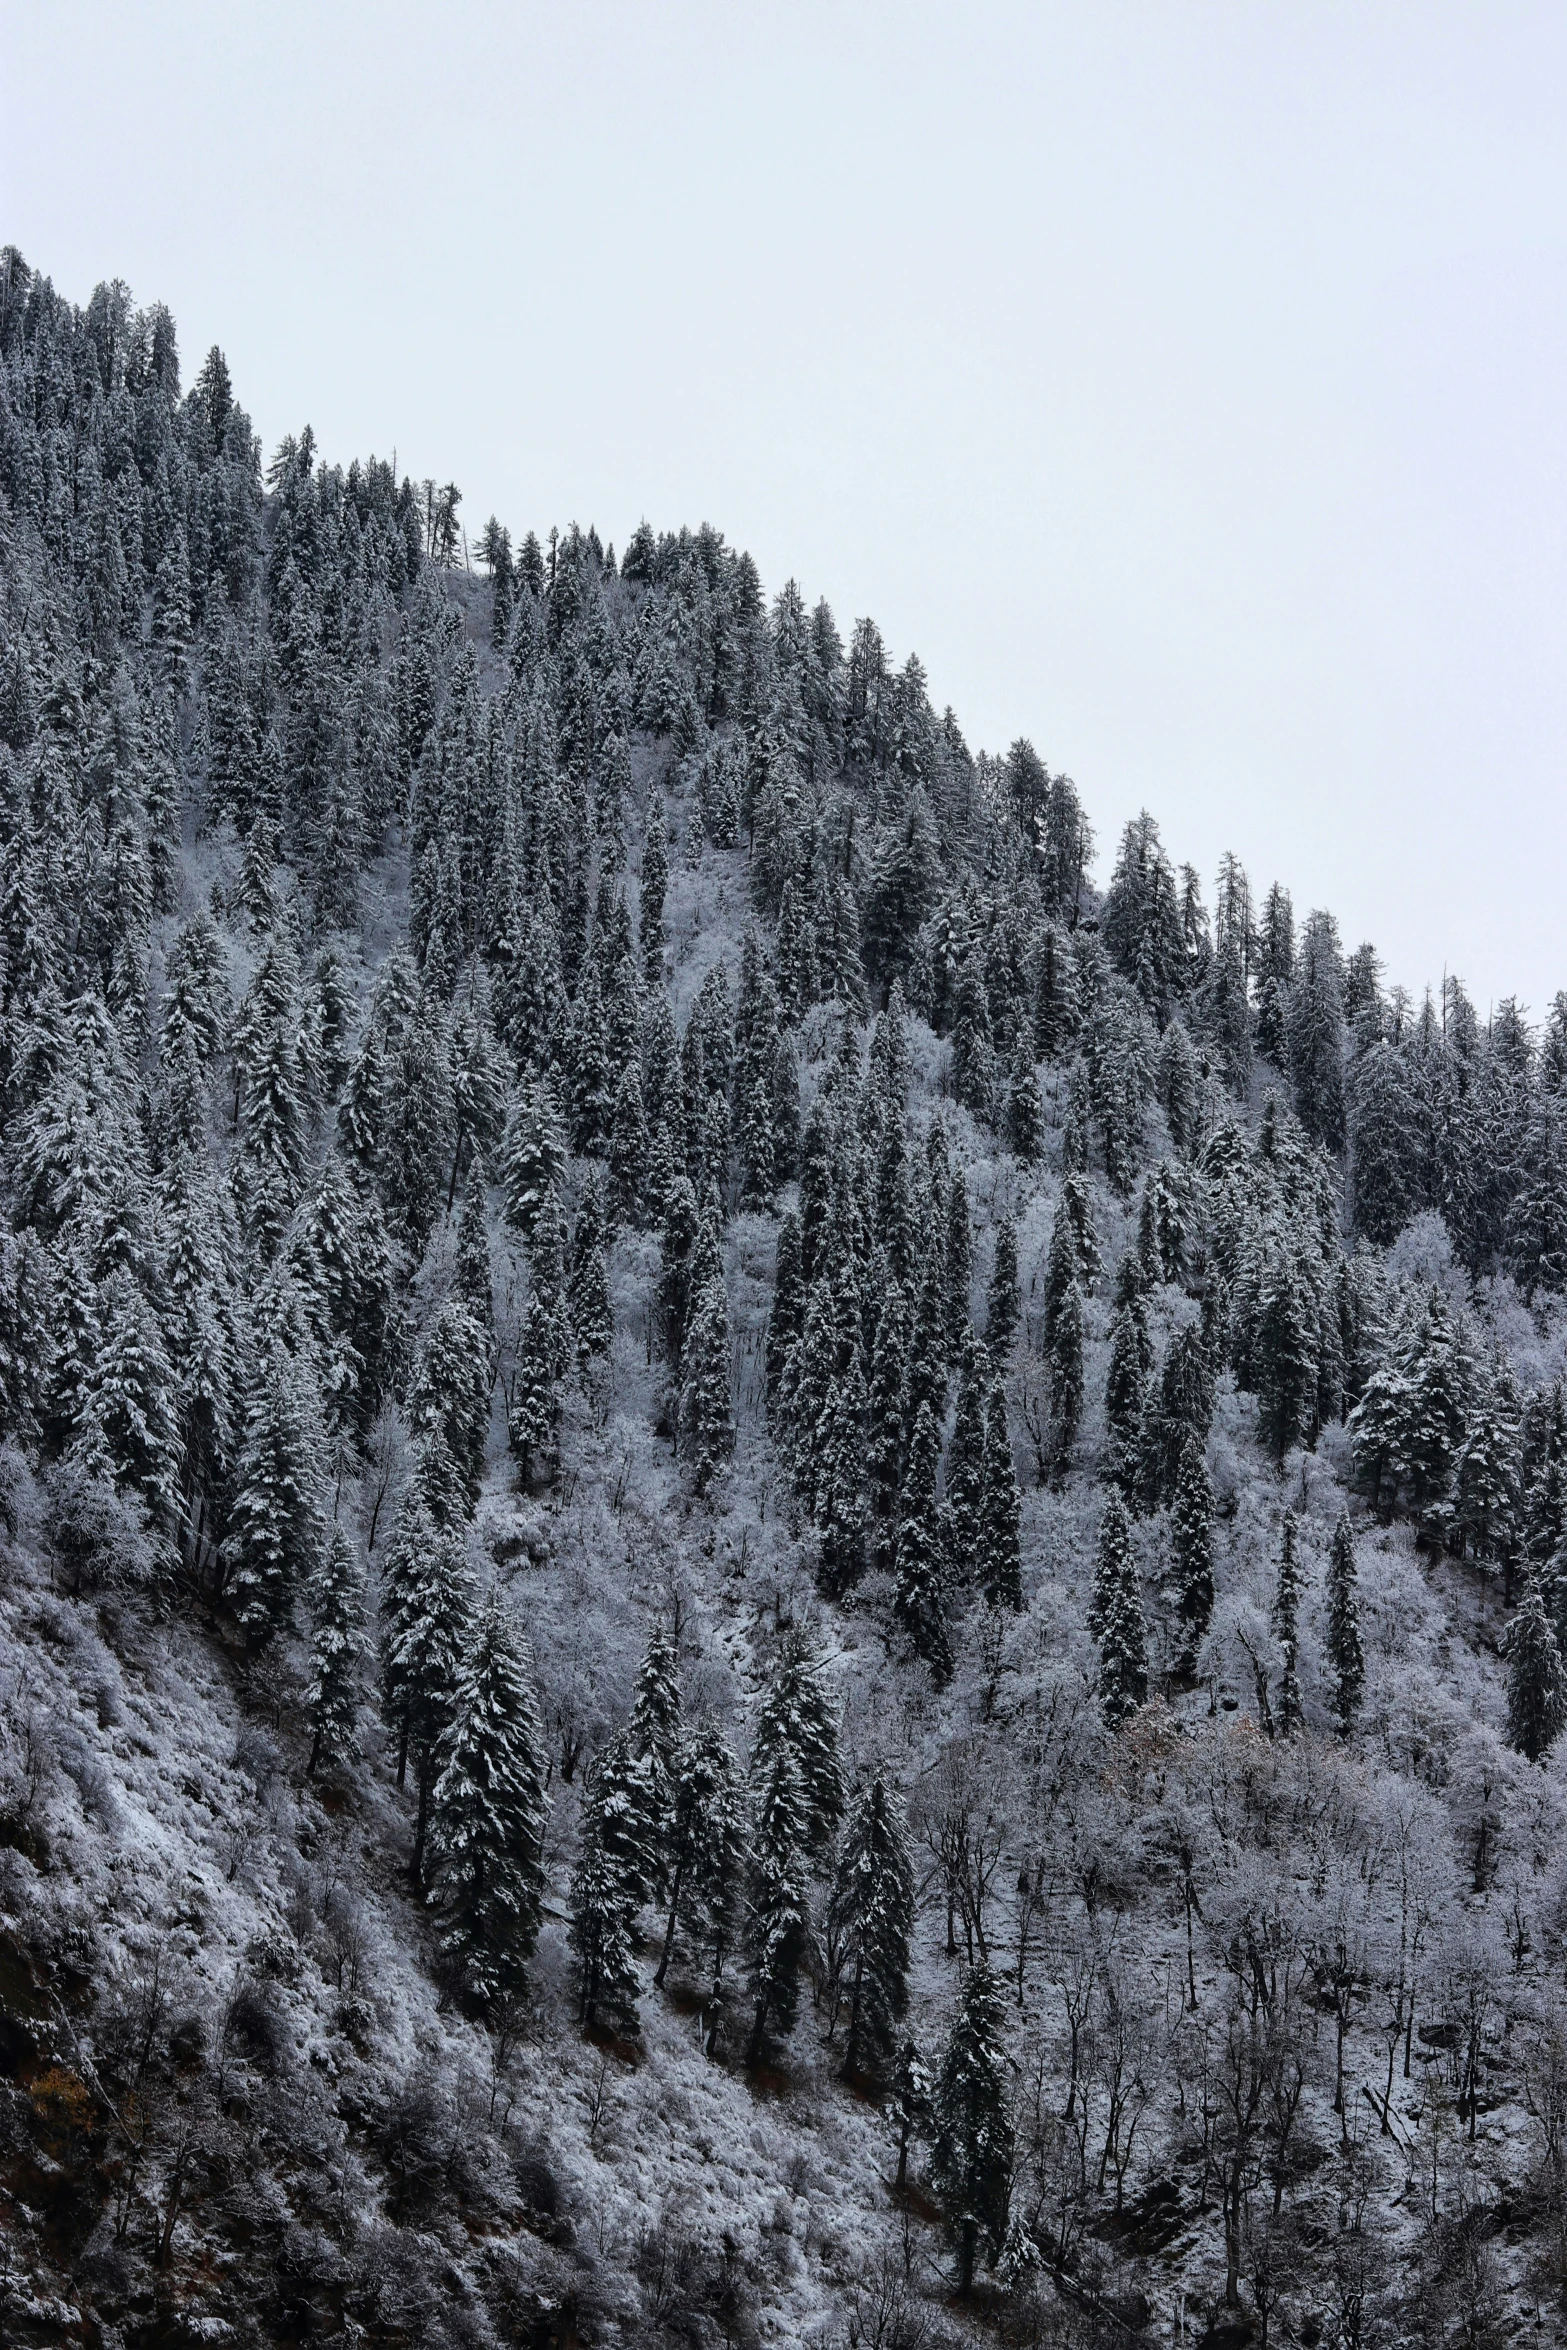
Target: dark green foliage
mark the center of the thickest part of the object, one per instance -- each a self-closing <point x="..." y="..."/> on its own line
<point x="778" y="1932"/>
<point x="1346" y="1657"/>
<point x="615" y="1873"/>
<point x="871" y="1923"/>
<point x="1286" y="1624"/>
<point x="705" y="1846"/>
<point x="1115" y="1616"/>
<point x="798" y="1713"/>
<point x="971" y="2137"/>
<point x="426" y="1627"/>
<point x="707" y="1419"/>
<point x="1004" y="1297"/>
<point x="965" y="1464"/>
<point x="336" y="1601"/>
<point x="920" y="1558"/>
<point x="1191" y="1552"/>
<point x="1536" y="1690"/>
<point x="274" y="1531"/>
<point x="592" y="1317"/>
<point x="1125" y="1388"/>
<point x="1000" y="1547"/>
<point x="488" y="1814"/>
<point x="959" y="1268"/>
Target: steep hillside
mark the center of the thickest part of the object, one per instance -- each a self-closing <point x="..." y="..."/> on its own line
<point x="767" y="1575"/>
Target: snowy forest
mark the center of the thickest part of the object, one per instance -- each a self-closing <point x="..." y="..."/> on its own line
<point x="783" y="1556"/>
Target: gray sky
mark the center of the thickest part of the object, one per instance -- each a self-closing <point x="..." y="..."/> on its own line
<point x="1186" y="385"/>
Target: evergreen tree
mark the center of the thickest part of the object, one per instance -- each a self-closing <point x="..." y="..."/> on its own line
<point x="1005" y="1302"/>
<point x="533" y="1405"/>
<point x="1191" y="1548"/>
<point x="909" y="2105"/>
<point x="1536" y="1687"/>
<point x="473" y="1278"/>
<point x="920" y="1558"/>
<point x="488" y="1813"/>
<point x="1124" y="1398"/>
<point x="336" y="1602"/>
<point x="871" y="1920"/>
<point x="786" y="1317"/>
<point x="884" y="1406"/>
<point x="653" y="1733"/>
<point x="1066" y="1378"/>
<point x="707" y="1420"/>
<point x="778" y="1933"/>
<point x="798" y="1712"/>
<point x="1286" y="1624"/>
<point x="628" y="1151"/>
<point x="274" y="1531"/>
<point x="971" y="2149"/>
<point x="1116" y="1617"/>
<point x="706" y="1845"/>
<point x="960" y="1263"/>
<point x="654" y="883"/>
<point x="611" y="1883"/>
<point x="591" y="1312"/>
<point x="965" y="1467"/>
<point x="427" y="1625"/>
<point x="1063" y="1269"/>
<point x="129" y="1399"/>
<point x="1487" y="1480"/>
<point x="1185" y="1406"/>
<point x="1025" y="1118"/>
<point x="533" y="1159"/>
<point x="1345" y="1654"/>
<point x="1000" y="1545"/>
<point x="449" y="1399"/>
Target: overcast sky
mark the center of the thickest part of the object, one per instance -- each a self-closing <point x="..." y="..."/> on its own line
<point x="1186" y="385"/>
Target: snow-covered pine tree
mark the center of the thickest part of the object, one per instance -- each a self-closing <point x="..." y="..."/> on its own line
<point x="1000" y="1513"/>
<point x="1345" y="1654"/>
<point x="629" y="1145"/>
<point x="1191" y="1552"/>
<point x="653" y="882"/>
<point x="533" y="1404"/>
<point x="1025" y="1113"/>
<point x="427" y="1625"/>
<point x="909" y="2105"/>
<point x="653" y="1733"/>
<point x="884" y="1414"/>
<point x="613" y="1877"/>
<point x="1004" y="1307"/>
<point x="488" y="1811"/>
<point x="965" y="1465"/>
<point x="1286" y="1624"/>
<point x="336" y="1601"/>
<point x="273" y="1539"/>
<point x="533" y="1158"/>
<point x="706" y="1846"/>
<point x="591" y="1313"/>
<point x="473" y="1275"/>
<point x="871" y="1921"/>
<point x="1536" y="1685"/>
<point x="707" y="1418"/>
<point x="1068" y="1341"/>
<point x="920" y="1562"/>
<point x="449" y="1396"/>
<point x="1116" y="1616"/>
<point x="959" y="1266"/>
<point x="1125" y="1392"/>
<point x="798" y="1712"/>
<point x="778" y="1930"/>
<point x="972" y="2138"/>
